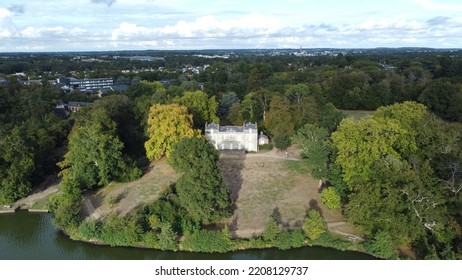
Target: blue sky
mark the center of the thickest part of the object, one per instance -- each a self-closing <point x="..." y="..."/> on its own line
<point x="52" y="25"/>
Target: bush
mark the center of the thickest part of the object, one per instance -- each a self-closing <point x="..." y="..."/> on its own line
<point x="266" y="147"/>
<point x="313" y="226"/>
<point x="281" y="141"/>
<point x="207" y="241"/>
<point x="167" y="238"/>
<point x="289" y="239"/>
<point x="90" y="229"/>
<point x="331" y="198"/>
<point x="121" y="231"/>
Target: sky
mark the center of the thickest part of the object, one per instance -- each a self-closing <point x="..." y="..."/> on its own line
<point x="103" y="25"/>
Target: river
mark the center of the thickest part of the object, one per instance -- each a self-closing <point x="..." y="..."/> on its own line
<point x="27" y="236"/>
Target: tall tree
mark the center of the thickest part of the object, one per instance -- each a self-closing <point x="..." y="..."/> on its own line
<point x="202" y="108"/>
<point x="201" y="190"/>
<point x="167" y="124"/>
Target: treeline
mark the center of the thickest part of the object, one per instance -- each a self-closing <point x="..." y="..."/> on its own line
<point x="395" y="174"/>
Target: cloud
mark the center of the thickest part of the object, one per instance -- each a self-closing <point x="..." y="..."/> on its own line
<point x="435" y="21"/>
<point x="430" y="5"/>
<point x="107" y="2"/>
<point x="17" y="9"/>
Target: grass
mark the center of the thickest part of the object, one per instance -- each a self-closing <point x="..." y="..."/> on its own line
<point x="298" y="166"/>
<point x="41" y="204"/>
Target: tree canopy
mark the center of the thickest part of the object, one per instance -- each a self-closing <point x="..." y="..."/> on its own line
<point x="167" y="124"/>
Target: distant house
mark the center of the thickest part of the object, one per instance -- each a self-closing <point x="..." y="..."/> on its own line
<point x="3" y="81"/>
<point x="263" y="139"/>
<point x="73" y="106"/>
<point x="243" y="137"/>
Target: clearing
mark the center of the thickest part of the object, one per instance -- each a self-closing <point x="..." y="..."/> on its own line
<point x="274" y="184"/>
<point x="262" y="184"/>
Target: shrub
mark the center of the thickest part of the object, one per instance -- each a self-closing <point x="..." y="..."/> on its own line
<point x="281" y="141"/>
<point x="167" y="238"/>
<point x="266" y="147"/>
<point x="207" y="241"/>
<point x="331" y="198"/>
<point x="90" y="229"/>
<point x="121" y="231"/>
<point x="313" y="226"/>
<point x="289" y="239"/>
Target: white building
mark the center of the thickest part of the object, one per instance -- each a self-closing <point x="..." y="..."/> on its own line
<point x="243" y="137"/>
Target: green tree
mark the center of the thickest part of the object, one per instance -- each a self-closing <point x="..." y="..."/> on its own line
<point x="271" y="230"/>
<point x="167" y="238"/>
<point x="279" y="118"/>
<point x="331" y="198"/>
<point x="201" y="190"/>
<point x="315" y="146"/>
<point x="16" y="167"/>
<point x="95" y="155"/>
<point x="381" y="245"/>
<point x="202" y="108"/>
<point x="167" y="124"/>
<point x="313" y="225"/>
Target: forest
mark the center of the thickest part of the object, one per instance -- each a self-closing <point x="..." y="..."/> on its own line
<point x="395" y="173"/>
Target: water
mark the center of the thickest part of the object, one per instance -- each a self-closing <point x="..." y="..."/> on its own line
<point x="32" y="237"/>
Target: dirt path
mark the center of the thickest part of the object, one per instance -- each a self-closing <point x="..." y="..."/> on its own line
<point x="45" y="189"/>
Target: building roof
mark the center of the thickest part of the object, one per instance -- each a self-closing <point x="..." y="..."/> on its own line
<point x="212" y="126"/>
<point x="230" y="128"/>
<point x="250" y="125"/>
<point x="262" y="136"/>
<point x="78" y="104"/>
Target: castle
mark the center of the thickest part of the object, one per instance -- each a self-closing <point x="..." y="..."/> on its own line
<point x="243" y="137"/>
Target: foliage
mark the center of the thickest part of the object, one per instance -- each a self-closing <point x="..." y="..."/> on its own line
<point x="381" y="246"/>
<point x="289" y="239"/>
<point x="90" y="229"/>
<point x="16" y="167"/>
<point x="279" y="120"/>
<point x="267" y="147"/>
<point x="271" y="230"/>
<point x="167" y="238"/>
<point x="330" y="198"/>
<point x="201" y="190"/>
<point x="281" y="141"/>
<point x="202" y="107"/>
<point x="95" y="155"/>
<point x="167" y="124"/>
<point x="65" y="209"/>
<point x="315" y="148"/>
<point x="121" y="231"/>
<point x="207" y="241"/>
<point x="313" y="225"/>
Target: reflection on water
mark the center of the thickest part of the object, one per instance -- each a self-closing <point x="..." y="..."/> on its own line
<point x="32" y="236"/>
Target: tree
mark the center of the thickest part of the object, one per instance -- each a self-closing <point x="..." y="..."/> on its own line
<point x="201" y="190"/>
<point x="443" y="98"/>
<point x="281" y="141"/>
<point x="167" y="124"/>
<point x="202" y="108"/>
<point x="315" y="146"/>
<point x="271" y="230"/>
<point x="95" y="155"/>
<point x="330" y="198"/>
<point x="167" y="238"/>
<point x="278" y="120"/>
<point x="16" y="167"/>
<point x="381" y="245"/>
<point x="313" y="226"/>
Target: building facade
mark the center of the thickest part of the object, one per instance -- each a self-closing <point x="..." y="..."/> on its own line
<point x="243" y="137"/>
<point x="86" y="85"/>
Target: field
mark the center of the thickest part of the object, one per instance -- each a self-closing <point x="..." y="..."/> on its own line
<point x="263" y="184"/>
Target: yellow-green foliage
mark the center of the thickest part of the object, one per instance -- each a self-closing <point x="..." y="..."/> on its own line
<point x="330" y="198"/>
<point x="167" y="124"/>
<point x="313" y="226"/>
